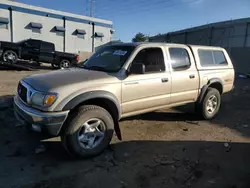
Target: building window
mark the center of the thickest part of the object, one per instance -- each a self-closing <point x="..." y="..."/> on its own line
<point x="3" y="26"/>
<point x="99" y="39"/>
<point x="4" y="23"/>
<point x="59" y="30"/>
<point x="60" y="33"/>
<point x="36" y="30"/>
<point x="36" y="27"/>
<point x="80" y="33"/>
<point x="80" y="36"/>
<point x="99" y="36"/>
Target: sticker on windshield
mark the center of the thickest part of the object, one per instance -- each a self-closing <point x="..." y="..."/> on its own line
<point x="120" y="52"/>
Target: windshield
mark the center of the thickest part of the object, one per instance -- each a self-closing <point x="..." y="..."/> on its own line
<point x="109" y="58"/>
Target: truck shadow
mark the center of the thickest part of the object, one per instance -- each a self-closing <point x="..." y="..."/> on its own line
<point x="144" y="163"/>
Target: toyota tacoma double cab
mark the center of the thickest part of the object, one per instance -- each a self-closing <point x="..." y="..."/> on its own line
<point x="84" y="104"/>
<point x="37" y="51"/>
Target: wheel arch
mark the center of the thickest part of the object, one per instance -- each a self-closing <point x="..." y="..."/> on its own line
<point x="103" y="99"/>
<point x="14" y="50"/>
<point x="215" y="83"/>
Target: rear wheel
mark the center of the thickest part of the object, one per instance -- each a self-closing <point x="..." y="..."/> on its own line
<point x="210" y="104"/>
<point x="10" y="56"/>
<point x="64" y="64"/>
<point x="88" y="131"/>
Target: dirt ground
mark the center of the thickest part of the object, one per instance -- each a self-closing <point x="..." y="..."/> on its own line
<point x="168" y="148"/>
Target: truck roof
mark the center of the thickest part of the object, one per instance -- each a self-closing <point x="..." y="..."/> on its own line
<point x="135" y="44"/>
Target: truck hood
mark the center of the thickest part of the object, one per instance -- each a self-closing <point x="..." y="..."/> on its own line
<point x="53" y="81"/>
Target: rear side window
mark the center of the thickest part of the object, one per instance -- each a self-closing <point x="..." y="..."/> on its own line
<point x="211" y="58"/>
<point x="47" y="46"/>
<point x="179" y="58"/>
<point x="219" y="58"/>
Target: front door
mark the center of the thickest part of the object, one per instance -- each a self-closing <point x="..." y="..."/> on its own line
<point x="31" y="50"/>
<point x="145" y="92"/>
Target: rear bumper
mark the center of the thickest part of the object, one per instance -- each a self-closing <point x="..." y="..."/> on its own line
<point x="50" y="121"/>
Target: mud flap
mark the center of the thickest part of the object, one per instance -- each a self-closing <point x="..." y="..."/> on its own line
<point x="118" y="130"/>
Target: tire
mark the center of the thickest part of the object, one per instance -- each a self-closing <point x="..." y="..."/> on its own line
<point x="77" y="138"/>
<point x="64" y="63"/>
<point x="9" y="56"/>
<point x="210" y="104"/>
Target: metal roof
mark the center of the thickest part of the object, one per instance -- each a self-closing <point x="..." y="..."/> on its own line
<point x="201" y="27"/>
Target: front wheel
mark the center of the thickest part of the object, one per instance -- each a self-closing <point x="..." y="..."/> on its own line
<point x="10" y="56"/>
<point x="88" y="131"/>
<point x="210" y="104"/>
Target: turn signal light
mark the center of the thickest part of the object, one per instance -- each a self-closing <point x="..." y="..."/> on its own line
<point x="49" y="99"/>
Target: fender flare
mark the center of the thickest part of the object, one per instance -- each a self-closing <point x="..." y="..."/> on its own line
<point x="205" y="87"/>
<point x="97" y="94"/>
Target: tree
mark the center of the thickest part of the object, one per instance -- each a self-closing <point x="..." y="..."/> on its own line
<point x="140" y="37"/>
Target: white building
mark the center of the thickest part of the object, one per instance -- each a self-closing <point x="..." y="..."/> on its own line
<point x="69" y="32"/>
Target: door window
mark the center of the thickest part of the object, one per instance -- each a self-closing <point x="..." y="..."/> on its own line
<point x="33" y="43"/>
<point x="152" y="58"/>
<point x="179" y="58"/>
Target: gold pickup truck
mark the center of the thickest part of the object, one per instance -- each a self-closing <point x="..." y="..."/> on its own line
<point x="83" y="105"/>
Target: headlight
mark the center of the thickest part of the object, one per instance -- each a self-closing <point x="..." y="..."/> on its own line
<point x="43" y="99"/>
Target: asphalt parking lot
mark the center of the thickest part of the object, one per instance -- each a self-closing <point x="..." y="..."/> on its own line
<point x="168" y="148"/>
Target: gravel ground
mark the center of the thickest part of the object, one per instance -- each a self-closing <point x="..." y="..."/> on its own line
<point x="167" y="148"/>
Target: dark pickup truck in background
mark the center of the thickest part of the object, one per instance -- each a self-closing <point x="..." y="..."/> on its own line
<point x="38" y="51"/>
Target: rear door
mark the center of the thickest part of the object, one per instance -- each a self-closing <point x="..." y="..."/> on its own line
<point x="185" y="78"/>
<point x="47" y="52"/>
<point x="144" y="92"/>
<point x="30" y="50"/>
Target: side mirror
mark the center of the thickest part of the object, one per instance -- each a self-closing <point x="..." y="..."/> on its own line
<point x="137" y="68"/>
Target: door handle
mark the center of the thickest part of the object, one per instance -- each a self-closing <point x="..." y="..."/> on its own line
<point x="164" y="80"/>
<point x="191" y="76"/>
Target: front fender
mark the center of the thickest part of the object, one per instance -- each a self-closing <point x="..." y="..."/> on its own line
<point x="94" y="95"/>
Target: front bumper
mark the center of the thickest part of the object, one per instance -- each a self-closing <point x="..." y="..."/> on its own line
<point x="50" y="121"/>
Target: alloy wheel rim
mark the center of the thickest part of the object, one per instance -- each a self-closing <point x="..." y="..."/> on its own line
<point x="9" y="56"/>
<point x="64" y="64"/>
<point x="211" y="104"/>
<point x="91" y="134"/>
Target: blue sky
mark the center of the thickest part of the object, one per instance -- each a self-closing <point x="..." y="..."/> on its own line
<point x="153" y="16"/>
